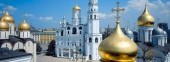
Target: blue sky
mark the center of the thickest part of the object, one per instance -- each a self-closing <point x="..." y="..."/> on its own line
<point x="48" y="13"/>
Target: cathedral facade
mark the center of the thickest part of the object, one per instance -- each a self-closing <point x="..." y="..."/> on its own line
<point x="77" y="40"/>
<point x="16" y="39"/>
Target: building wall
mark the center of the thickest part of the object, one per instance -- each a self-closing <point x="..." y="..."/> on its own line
<point x="44" y="37"/>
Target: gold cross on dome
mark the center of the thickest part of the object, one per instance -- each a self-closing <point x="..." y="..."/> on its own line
<point x="118" y="9"/>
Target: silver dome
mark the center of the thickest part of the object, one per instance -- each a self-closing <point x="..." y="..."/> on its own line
<point x="158" y="31"/>
<point x="165" y="33"/>
<point x="128" y="32"/>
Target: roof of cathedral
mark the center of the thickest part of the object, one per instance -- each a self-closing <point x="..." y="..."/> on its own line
<point x="128" y="32"/>
<point x="7" y="54"/>
<point x="4" y="25"/>
<point x="145" y="19"/>
<point x="24" y="26"/>
<point x="7" y="17"/>
<point x="154" y="53"/>
<point x="158" y="31"/>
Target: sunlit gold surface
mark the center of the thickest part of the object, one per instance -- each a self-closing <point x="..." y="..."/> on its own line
<point x="75" y="8"/>
<point x="3" y="25"/>
<point x="24" y="26"/>
<point x="145" y="19"/>
<point x="6" y="17"/>
<point x="118" y="47"/>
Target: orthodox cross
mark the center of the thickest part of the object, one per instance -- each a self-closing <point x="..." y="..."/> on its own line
<point x="118" y="9"/>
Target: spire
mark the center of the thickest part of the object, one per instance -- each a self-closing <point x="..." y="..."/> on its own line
<point x="76" y="7"/>
<point x="118" y="9"/>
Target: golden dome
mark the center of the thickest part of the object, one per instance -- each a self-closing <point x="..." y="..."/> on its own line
<point x="146" y="19"/>
<point x="76" y="7"/>
<point x="6" y="17"/>
<point x="3" y="25"/>
<point x="118" y="47"/>
<point x="24" y="26"/>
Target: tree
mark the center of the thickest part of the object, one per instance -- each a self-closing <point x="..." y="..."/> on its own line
<point x="39" y="49"/>
<point x="51" y="49"/>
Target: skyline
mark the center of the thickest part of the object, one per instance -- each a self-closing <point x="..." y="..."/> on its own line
<point x="47" y="14"/>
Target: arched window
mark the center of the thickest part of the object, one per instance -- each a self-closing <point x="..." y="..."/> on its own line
<point x="68" y="28"/>
<point x="90" y="40"/>
<point x="62" y="32"/>
<point x="74" y="31"/>
<point x="96" y="40"/>
<point x="91" y="16"/>
<point x="90" y="57"/>
<point x="80" y="28"/>
<point x="95" y="17"/>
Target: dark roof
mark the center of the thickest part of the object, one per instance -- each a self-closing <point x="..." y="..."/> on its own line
<point x="8" y="54"/>
<point x="2" y="41"/>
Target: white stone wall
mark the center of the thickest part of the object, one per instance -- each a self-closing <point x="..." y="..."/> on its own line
<point x="145" y="33"/>
<point x="12" y="29"/>
<point x="7" y="45"/>
<point x="4" y="34"/>
<point x="24" y="34"/>
<point x="18" y="45"/>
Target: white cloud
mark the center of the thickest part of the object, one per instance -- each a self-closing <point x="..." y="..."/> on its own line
<point x="139" y="4"/>
<point x="11" y="8"/>
<point x="28" y="15"/>
<point x="47" y="18"/>
<point x="105" y="16"/>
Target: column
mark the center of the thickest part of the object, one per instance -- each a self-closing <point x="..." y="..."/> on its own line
<point x="69" y="53"/>
<point x="61" y="52"/>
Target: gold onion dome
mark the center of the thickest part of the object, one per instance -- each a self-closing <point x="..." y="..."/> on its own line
<point x="8" y="18"/>
<point x="118" y="47"/>
<point x="3" y="25"/>
<point x="76" y="7"/>
<point x="24" y="26"/>
<point x="146" y="19"/>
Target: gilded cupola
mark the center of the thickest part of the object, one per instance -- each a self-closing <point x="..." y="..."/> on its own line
<point x="3" y="25"/>
<point x="117" y="47"/>
<point x="24" y="26"/>
<point x="8" y="18"/>
<point x="76" y="7"/>
<point x="146" y="19"/>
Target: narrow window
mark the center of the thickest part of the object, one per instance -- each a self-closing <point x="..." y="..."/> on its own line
<point x="74" y="31"/>
<point x="68" y="32"/>
<point x="96" y="40"/>
<point x="95" y="17"/>
<point x="80" y="32"/>
<point x="90" y="40"/>
<point x="91" y="16"/>
<point x="62" y="32"/>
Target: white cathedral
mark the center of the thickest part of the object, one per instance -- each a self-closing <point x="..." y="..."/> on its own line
<point x="16" y="39"/>
<point x="77" y="39"/>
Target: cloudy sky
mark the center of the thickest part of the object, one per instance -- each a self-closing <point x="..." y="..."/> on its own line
<point x="48" y="13"/>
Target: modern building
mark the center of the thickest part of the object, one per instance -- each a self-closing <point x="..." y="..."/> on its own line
<point x="16" y="39"/>
<point x="44" y="36"/>
<point x="163" y="26"/>
<point x="78" y="39"/>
